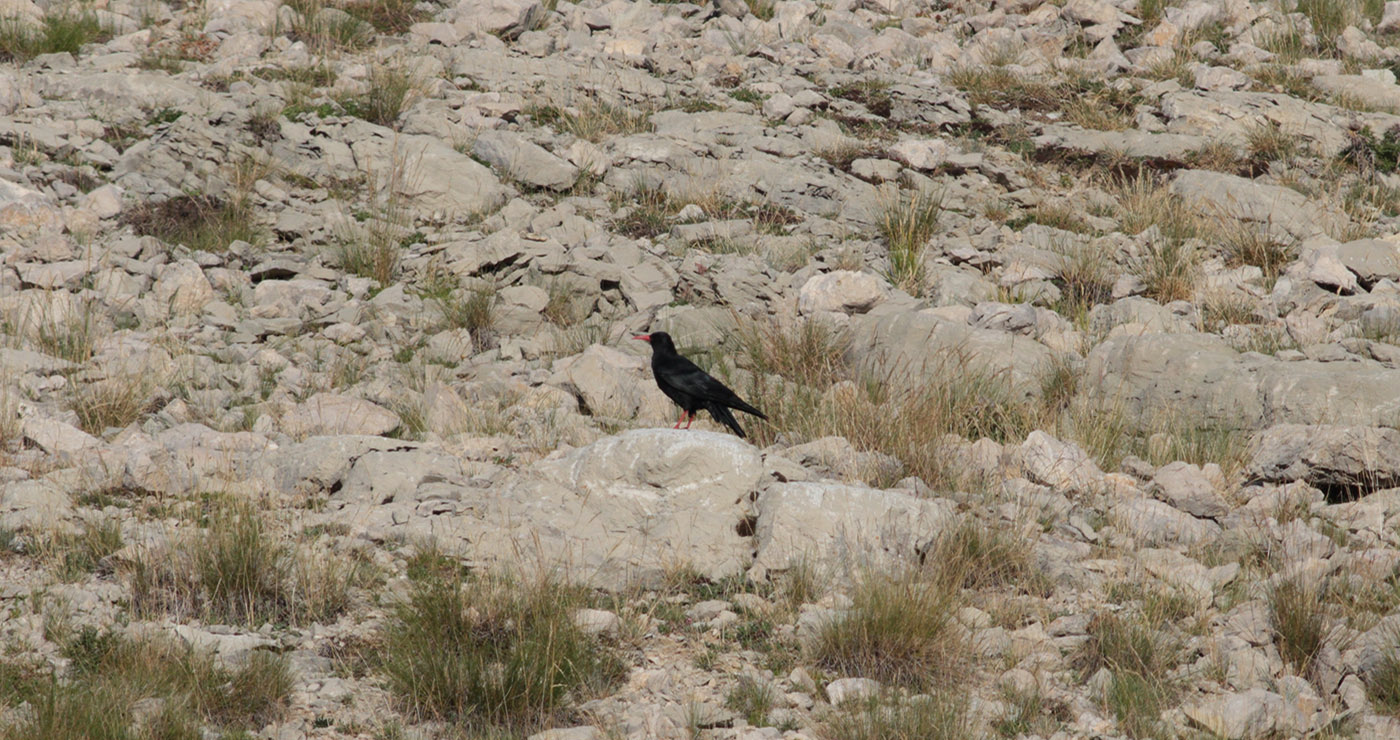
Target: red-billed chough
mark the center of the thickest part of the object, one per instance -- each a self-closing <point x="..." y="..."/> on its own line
<point x="692" y="388"/>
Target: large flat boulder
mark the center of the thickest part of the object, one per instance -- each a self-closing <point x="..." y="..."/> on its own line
<point x="834" y="527"/>
<point x="1200" y="381"/>
<point x="921" y="346"/>
<point x="626" y="509"/>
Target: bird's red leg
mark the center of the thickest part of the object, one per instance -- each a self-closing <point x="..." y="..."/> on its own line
<point x="677" y="425"/>
<point x="690" y="418"/>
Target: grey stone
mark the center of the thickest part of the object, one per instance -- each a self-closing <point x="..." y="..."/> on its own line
<point x="842" y="526"/>
<point x="504" y="18"/>
<point x="1186" y="487"/>
<point x="524" y="161"/>
<point x="1343" y="458"/>
<point x="332" y="413"/>
<point x="841" y="290"/>
<point x="851" y="689"/>
<point x="923" y="346"/>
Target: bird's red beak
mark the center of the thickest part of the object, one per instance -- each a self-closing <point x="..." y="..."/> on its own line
<point x="643" y="337"/>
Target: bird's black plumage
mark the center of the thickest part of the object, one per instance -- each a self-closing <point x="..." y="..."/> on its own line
<point x="690" y="387"/>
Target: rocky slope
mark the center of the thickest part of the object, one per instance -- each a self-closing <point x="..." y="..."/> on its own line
<point x="1084" y="314"/>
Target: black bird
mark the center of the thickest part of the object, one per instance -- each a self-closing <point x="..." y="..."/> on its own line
<point x="692" y="388"/>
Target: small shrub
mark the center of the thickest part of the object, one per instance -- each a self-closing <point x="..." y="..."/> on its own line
<point x="200" y="222"/>
<point x="897" y="631"/>
<point x="493" y="653"/>
<point x="907" y="222"/>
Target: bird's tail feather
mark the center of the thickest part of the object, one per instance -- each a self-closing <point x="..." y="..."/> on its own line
<point x="746" y="408"/>
<point x="723" y="416"/>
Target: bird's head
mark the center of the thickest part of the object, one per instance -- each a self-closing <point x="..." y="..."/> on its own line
<point x="657" y="339"/>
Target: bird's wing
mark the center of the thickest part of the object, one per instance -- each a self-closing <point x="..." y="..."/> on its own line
<point x="689" y="378"/>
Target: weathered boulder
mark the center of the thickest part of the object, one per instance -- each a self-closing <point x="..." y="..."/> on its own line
<point x="841" y="290"/>
<point x="1353" y="459"/>
<point x="833" y="526"/>
<point x="1188" y="488"/>
<point x="1199" y="381"/>
<point x="922" y="346"/>
<point x="523" y="160"/>
<point x="333" y="413"/>
<point x="623" y="510"/>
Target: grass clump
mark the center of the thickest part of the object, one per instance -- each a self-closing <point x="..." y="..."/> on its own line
<point x="899" y="630"/>
<point x="75" y="555"/>
<point x="979" y="557"/>
<point x="1298" y="613"/>
<point x="200" y="222"/>
<point x="1329" y="18"/>
<point x="907" y="222"/>
<point x="109" y="673"/>
<point x="1000" y="88"/>
<point x="66" y="31"/>
<point x="814" y="392"/>
<point x="1268" y="142"/>
<point x="752" y="699"/>
<point x="1383" y="682"/>
<point x="1169" y="269"/>
<point x="67" y="333"/>
<point x="1084" y="279"/>
<point x="593" y="118"/>
<point x="235" y="571"/>
<point x="392" y="90"/>
<point x="111" y="403"/>
<point x="473" y="309"/>
<point x="1056" y="216"/>
<point x="329" y="32"/>
<point x="493" y="653"/>
<point x="938" y="717"/>
<point x="1140" y="658"/>
<point x="1246" y="244"/>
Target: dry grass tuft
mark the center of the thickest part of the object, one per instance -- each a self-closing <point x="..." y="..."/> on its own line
<point x="493" y="653"/>
<point x="1298" y="612"/>
<point x="593" y="118"/>
<point x="200" y="222"/>
<point x="942" y="716"/>
<point x="899" y="630"/>
<point x="109" y="674"/>
<point x="236" y="571"/>
<point x="907" y="222"/>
